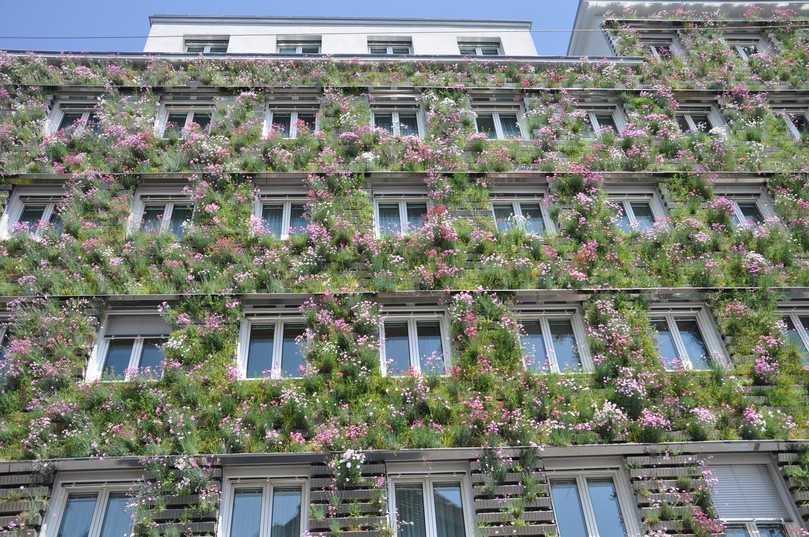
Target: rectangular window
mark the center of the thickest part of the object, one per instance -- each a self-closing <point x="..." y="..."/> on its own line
<point x="746" y="495"/>
<point x="273" y="349"/>
<point x="524" y="214"/>
<point x="685" y="340"/>
<point x="284" y="217"/>
<point x="131" y="347"/>
<point x="166" y="217"/>
<point x="399" y="217"/>
<point x="554" y="344"/>
<point x="482" y="48"/>
<point x="797" y="123"/>
<point x="36" y="216"/>
<point x="797" y="333"/>
<point x="390" y="47"/>
<point x="262" y="509"/>
<point x="429" y="507"/>
<point x="414" y="344"/>
<point x="601" y="118"/>
<point x="636" y="213"/>
<point x="299" y="46"/>
<point x="749" y="209"/>
<point x="290" y="123"/>
<point x="398" y="122"/>
<point x="499" y="125"/>
<point x="102" y="513"/>
<point x="588" y="506"/>
<point x="76" y="120"/>
<point x="694" y="122"/>
<point x="180" y="122"/>
<point x="206" y="45"/>
<point x="661" y="51"/>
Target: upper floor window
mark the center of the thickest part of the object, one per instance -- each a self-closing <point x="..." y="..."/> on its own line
<point x="637" y="211"/>
<point x="480" y="48"/>
<point x="554" y="342"/>
<point x="162" y="213"/>
<point x="310" y="45"/>
<point x="747" y="45"/>
<point x="399" y="215"/>
<point x="271" y="348"/>
<point x="414" y="343"/>
<point x="91" y="511"/>
<point x="179" y="121"/>
<point x="749" y="207"/>
<point x="499" y="125"/>
<point x="30" y="212"/>
<point x="206" y="45"/>
<point x="661" y="51"/>
<point x="796" y="324"/>
<point x="686" y="338"/>
<point x="73" y="117"/>
<point x="600" y="118"/>
<point x="523" y="212"/>
<point x="698" y="118"/>
<point x="590" y="504"/>
<point x="281" y="215"/>
<point x="430" y="506"/>
<point x="390" y="46"/>
<point x="289" y="123"/>
<point x="797" y="123"/>
<point x="264" y="508"/>
<point x="129" y="346"/>
<point x="398" y="122"/>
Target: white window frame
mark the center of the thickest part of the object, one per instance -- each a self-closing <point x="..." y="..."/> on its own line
<point x="139" y="205"/>
<point x="479" y="46"/>
<point x="98" y="356"/>
<point x="708" y="330"/>
<point x="715" y="119"/>
<point x="516" y="202"/>
<point x="627" y="199"/>
<point x="402" y="201"/>
<point x="446" y="472"/>
<point x="794" y="315"/>
<point x="793" y="130"/>
<point x="16" y="205"/>
<point x="293" y="120"/>
<point x="389" y="45"/>
<point x="498" y="125"/>
<point x="266" y="478"/>
<point x="412" y="319"/>
<point x="617" y="117"/>
<point x="626" y="500"/>
<point x="579" y="333"/>
<point x="165" y="111"/>
<point x="57" y="114"/>
<point x="207" y="43"/>
<point x="420" y="123"/>
<point x="102" y="483"/>
<point x="299" y="44"/>
<point x="243" y="348"/>
<point x="286" y="201"/>
<point x="757" y="196"/>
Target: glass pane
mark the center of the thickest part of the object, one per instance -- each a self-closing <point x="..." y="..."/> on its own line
<point x="176" y="122"/>
<point x="701" y="121"/>
<point x="694" y="343"/>
<point x="292" y="361"/>
<point x="511" y="128"/>
<point x="70" y="120"/>
<point x="202" y="119"/>
<point x="771" y="530"/>
<point x="643" y="215"/>
<point x="272" y="217"/>
<point x="801" y="123"/>
<point x="469" y="51"/>
<point x="280" y="124"/>
<point x="564" y="344"/>
<point x="682" y="122"/>
<point x="401" y="50"/>
<point x="606" y="121"/>
<point x="259" y="353"/>
<point x="389" y="222"/>
<point x="532" y="218"/>
<point x="151" y="357"/>
<point x="245" y="519"/>
<point x="118" y="518"/>
<point x="56" y="223"/>
<point x="117" y="360"/>
<point x="416" y="212"/>
<point x="287" y="50"/>
<point x="286" y="513"/>
<point x="736" y="531"/>
<point x="306" y="120"/>
<point x="77" y="516"/>
<point x="486" y="126"/>
<point x="195" y="49"/>
<point x="795" y="338"/>
<point x="665" y="344"/>
<point x="622" y="219"/>
<point x="490" y="51"/>
<point x="410" y="511"/>
<point x="152" y="217"/>
<point x="384" y="121"/>
<point x="533" y="347"/>
<point x="30" y="217"/>
<point x="504" y="216"/>
<point x="297" y="218"/>
<point x="379" y="50"/>
<point x="219" y="49"/>
<point x="93" y="124"/>
<point x="408" y="125"/>
<point x="180" y="219"/>
<point x="607" y="510"/>
<point x="752" y="215"/>
<point x="449" y="520"/>
<point x="310" y="49"/>
<point x="431" y="350"/>
<point x="567" y="508"/>
<point x="397" y="348"/>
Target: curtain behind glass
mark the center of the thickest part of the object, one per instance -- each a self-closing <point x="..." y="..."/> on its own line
<point x="286" y="513"/>
<point x="77" y="516"/>
<point x="410" y="510"/>
<point x="245" y="520"/>
<point x="389" y="222"/>
<point x="449" y="520"/>
<point x="118" y="517"/>
<point x="272" y="217"/>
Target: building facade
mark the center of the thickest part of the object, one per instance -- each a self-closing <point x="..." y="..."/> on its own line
<point x="362" y="278"/>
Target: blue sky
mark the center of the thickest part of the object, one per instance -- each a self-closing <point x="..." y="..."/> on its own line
<point x="130" y="18"/>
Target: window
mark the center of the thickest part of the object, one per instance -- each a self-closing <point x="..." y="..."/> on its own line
<point x="750" y="208"/>
<point x="698" y="118"/>
<point x="398" y="122"/>
<point x="87" y="511"/>
<point x="272" y="348"/>
<point x="179" y="122"/>
<point x="31" y="214"/>
<point x="414" y="343"/>
<point x="281" y="216"/>
<point x="797" y="333"/>
<point x="637" y="212"/>
<point x="797" y="123"/>
<point x="390" y="47"/>
<point x="661" y="51"/>
<point x="589" y="504"/>
<point x="162" y="214"/>
<point x="746" y="46"/>
<point x="264" y="508"/>
<point x="290" y="123"/>
<point x="748" y="500"/>
<point x="554" y="342"/>
<point x="435" y="506"/>
<point x="599" y="118"/>
<point x="687" y="339"/>
<point x="399" y="216"/>
<point x="69" y="118"/>
<point x="499" y="125"/>
<point x="206" y="45"/>
<point x="299" y="46"/>
<point x="129" y="346"/>
<point x="481" y="48"/>
<point x="528" y="214"/>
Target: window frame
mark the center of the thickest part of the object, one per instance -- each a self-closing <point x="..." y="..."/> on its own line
<point x="790" y="123"/>
<point x="758" y="196"/>
<point x="498" y="125"/>
<point x="794" y="315"/>
<point x="714" y="116"/>
<point x="479" y="46"/>
<point x="516" y="201"/>
<point x="16" y="206"/>
<point x="711" y="336"/>
<point x="98" y="356"/>
<point x="207" y="42"/>
<point x="593" y="111"/>
<point x="299" y="45"/>
<point x="402" y="201"/>
<point x="579" y="333"/>
<point x="278" y="323"/>
<point x="389" y="45"/>
<point x="270" y="111"/>
<point x="395" y="122"/>
<point x="267" y="478"/>
<point x="161" y="122"/>
<point x="169" y="199"/>
<point x="57" y="113"/>
<point x="4" y="333"/>
<point x="286" y="201"/>
<point x="412" y="319"/>
<point x="626" y="199"/>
